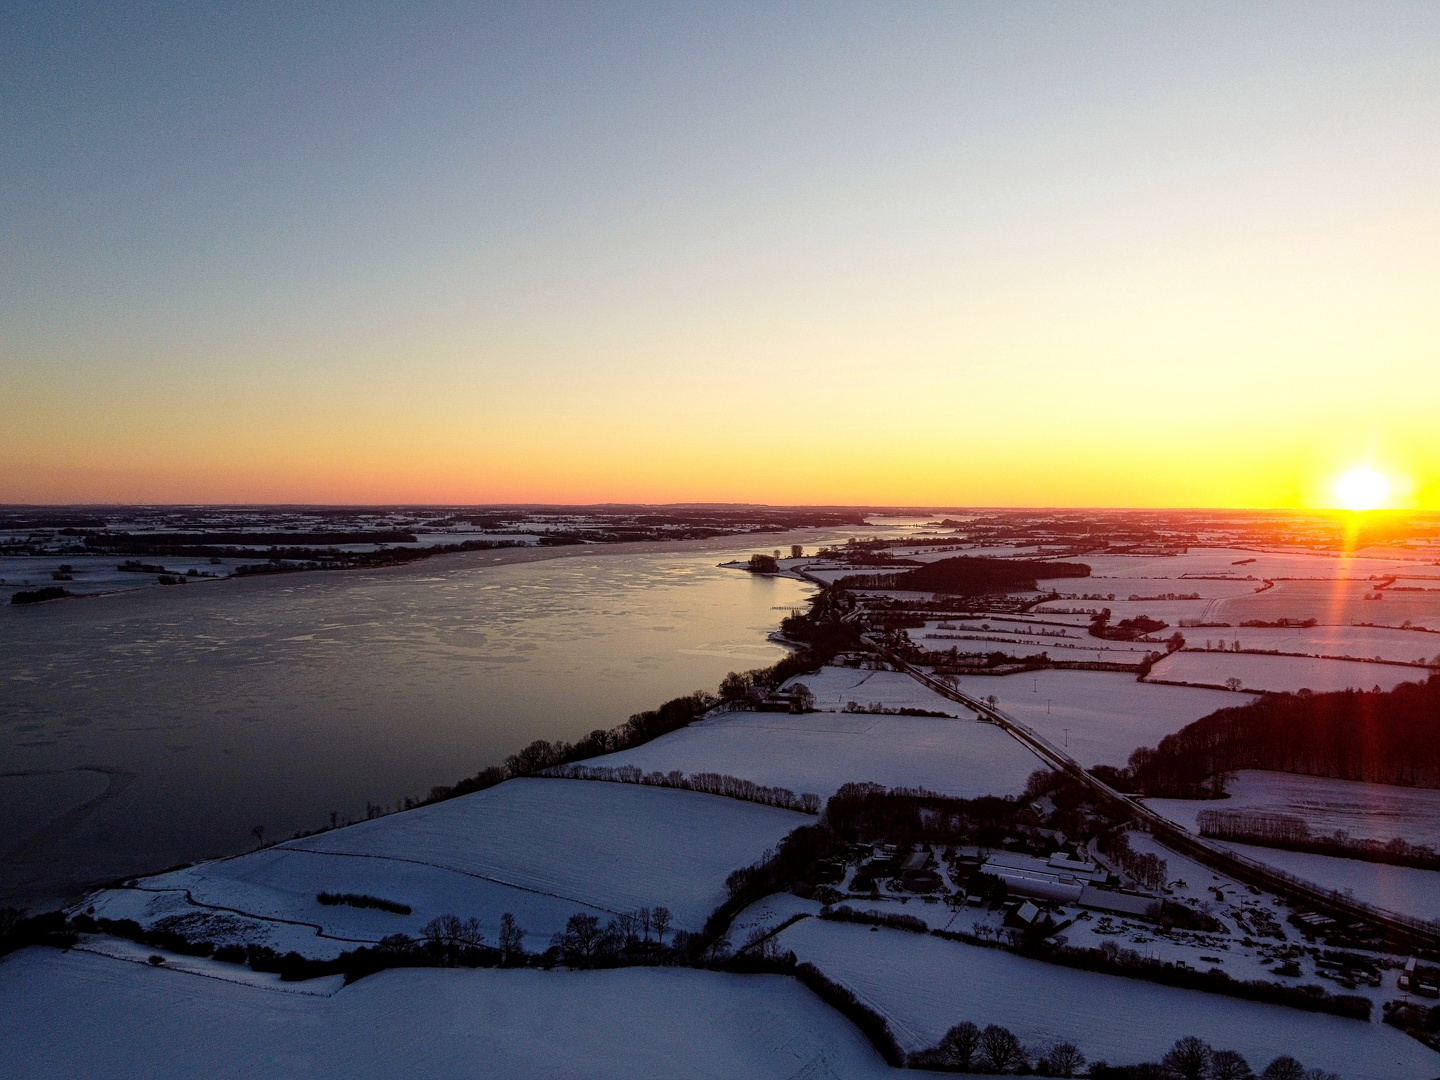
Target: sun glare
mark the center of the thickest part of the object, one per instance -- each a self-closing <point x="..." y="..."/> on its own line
<point x="1361" y="489"/>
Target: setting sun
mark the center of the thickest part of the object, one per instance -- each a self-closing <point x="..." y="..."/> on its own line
<point x="1362" y="488"/>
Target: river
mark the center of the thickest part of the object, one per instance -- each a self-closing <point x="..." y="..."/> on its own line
<point x="145" y="729"/>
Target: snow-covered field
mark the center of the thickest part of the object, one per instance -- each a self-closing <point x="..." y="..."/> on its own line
<point x="1365" y="811"/>
<point x="1258" y="671"/>
<point x="638" y="1022"/>
<point x="1400" y="889"/>
<point x="819" y="751"/>
<point x="1108" y="714"/>
<point x="541" y="849"/>
<point x="836" y="687"/>
<point x="1337" y="602"/>
<point x="923" y="985"/>
<point x="1023" y="636"/>
<point x="1341" y="642"/>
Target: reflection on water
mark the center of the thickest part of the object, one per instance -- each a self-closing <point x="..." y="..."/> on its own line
<point x="273" y="701"/>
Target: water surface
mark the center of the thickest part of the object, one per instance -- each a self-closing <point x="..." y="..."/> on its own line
<point x="164" y="725"/>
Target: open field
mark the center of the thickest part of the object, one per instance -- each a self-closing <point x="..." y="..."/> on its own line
<point x="1258" y="671"/>
<point x="923" y="985"/>
<point x="541" y="849"/>
<point x="1365" y="811"/>
<point x="1108" y="714"/>
<point x="1242" y="563"/>
<point x="817" y="752"/>
<point x="1341" y="602"/>
<point x="144" y="1021"/>
<point x="1341" y="642"/>
<point x="835" y="687"/>
<point x="1023" y="636"/>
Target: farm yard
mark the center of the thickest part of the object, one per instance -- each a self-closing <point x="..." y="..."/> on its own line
<point x="1401" y="889"/>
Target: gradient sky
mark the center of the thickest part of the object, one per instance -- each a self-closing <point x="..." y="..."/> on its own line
<point x="999" y="254"/>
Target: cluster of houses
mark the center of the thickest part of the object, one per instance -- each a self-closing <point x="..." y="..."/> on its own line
<point x="1059" y="878"/>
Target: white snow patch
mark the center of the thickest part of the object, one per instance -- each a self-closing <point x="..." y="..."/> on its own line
<point x="1365" y="811"/>
<point x="817" y="752"/>
<point x="541" y="849"/>
<point x="420" y="1023"/>
<point x="1108" y="714"/>
<point x="924" y="984"/>
<point x="1257" y="671"/>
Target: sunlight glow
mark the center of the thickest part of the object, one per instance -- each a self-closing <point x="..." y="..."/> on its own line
<point x="1362" y="488"/>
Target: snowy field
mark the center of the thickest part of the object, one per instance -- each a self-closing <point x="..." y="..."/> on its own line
<point x="652" y="1022"/>
<point x="1400" y="889"/>
<point x="1365" y="811"/>
<point x="1334" y="602"/>
<point x="91" y="574"/>
<point x="1341" y="642"/>
<point x="923" y="985"/>
<point x="541" y="849"/>
<point x="836" y="687"/>
<point x="1022" y="636"/>
<point x="1108" y="714"/>
<point x="1259" y="671"/>
<point x="817" y="752"/>
<point x="1204" y="563"/>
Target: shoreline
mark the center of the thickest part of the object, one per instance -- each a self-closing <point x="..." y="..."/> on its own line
<point x="472" y="560"/>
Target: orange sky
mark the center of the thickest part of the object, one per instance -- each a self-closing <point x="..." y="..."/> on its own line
<point x="939" y="256"/>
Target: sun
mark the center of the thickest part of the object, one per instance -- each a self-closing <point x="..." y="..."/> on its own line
<point x="1362" y="488"/>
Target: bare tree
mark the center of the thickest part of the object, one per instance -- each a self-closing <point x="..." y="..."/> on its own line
<point x="512" y="938"/>
<point x="1284" y="1067"/>
<point x="660" y="919"/>
<point x="1190" y="1057"/>
<point x="449" y="936"/>
<point x="642" y="918"/>
<point x="626" y="922"/>
<point x="1229" y="1065"/>
<point x="960" y="1043"/>
<point x="1000" y="1048"/>
<point x="1065" y="1059"/>
<point x="581" y="937"/>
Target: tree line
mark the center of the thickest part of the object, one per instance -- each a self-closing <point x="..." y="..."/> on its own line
<point x="968" y="1048"/>
<point x="1384" y="737"/>
<point x="1144" y="867"/>
<point x="732" y="787"/>
<point x="970" y="575"/>
<point x="1292" y="833"/>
